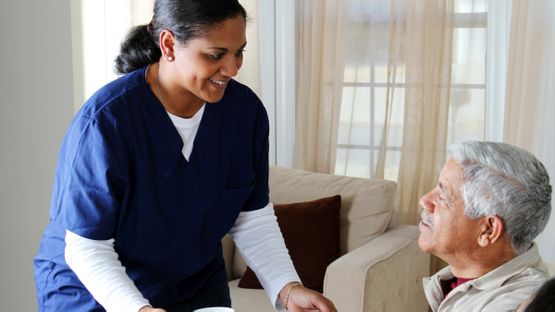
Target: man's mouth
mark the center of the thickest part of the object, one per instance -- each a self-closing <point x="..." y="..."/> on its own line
<point x="425" y="220"/>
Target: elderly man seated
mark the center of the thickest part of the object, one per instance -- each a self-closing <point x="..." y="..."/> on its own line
<point x="491" y="201"/>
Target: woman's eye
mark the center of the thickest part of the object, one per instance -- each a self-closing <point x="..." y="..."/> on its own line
<point x="215" y="56"/>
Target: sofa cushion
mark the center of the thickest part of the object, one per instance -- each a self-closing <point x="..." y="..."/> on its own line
<point x="366" y="204"/>
<point x="249" y="300"/>
<point x="311" y="233"/>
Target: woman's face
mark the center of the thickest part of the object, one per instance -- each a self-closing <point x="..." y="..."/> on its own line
<point x="203" y="66"/>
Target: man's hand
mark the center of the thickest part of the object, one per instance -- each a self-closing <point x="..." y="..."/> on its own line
<point x="297" y="298"/>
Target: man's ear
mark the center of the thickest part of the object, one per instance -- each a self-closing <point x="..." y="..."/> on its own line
<point x="167" y="43"/>
<point x="492" y="229"/>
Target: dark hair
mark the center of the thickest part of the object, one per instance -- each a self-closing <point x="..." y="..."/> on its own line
<point x="544" y="299"/>
<point x="186" y="19"/>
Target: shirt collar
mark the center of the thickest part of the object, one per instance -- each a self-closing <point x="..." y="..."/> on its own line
<point x="497" y="277"/>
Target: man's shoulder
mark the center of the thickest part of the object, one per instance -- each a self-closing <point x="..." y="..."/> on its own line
<point x="507" y="297"/>
<point x="527" y="275"/>
<point x="479" y="296"/>
<point x="516" y="290"/>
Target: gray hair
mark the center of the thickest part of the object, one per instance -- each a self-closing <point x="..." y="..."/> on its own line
<point x="506" y="181"/>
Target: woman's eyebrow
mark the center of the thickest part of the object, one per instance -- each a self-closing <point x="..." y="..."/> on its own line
<point x="226" y="49"/>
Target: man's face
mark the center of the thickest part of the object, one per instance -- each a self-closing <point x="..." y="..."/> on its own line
<point x="445" y="230"/>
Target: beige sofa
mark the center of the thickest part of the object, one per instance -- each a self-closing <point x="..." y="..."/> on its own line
<point x="381" y="267"/>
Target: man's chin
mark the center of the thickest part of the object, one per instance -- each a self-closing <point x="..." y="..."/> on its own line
<point x="424" y="244"/>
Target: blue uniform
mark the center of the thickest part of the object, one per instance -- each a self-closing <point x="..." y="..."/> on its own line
<point x="121" y="174"/>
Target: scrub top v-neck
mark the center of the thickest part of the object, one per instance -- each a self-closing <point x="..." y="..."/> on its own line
<point x="121" y="174"/>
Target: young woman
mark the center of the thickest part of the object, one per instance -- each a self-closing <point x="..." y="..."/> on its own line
<point x="157" y="167"/>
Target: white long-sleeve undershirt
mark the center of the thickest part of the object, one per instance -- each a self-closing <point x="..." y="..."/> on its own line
<point x="255" y="233"/>
<point x="96" y="264"/>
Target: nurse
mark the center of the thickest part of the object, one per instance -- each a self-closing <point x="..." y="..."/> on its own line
<point x="157" y="167"/>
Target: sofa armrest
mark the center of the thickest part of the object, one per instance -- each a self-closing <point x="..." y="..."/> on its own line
<point x="384" y="274"/>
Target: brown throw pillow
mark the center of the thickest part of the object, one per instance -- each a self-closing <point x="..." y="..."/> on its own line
<point x="311" y="234"/>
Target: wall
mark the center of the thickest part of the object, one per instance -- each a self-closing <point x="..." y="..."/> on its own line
<point x="35" y="108"/>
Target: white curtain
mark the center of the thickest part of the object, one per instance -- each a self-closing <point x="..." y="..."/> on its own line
<point x="320" y="78"/>
<point x="250" y="71"/>
<point x="375" y="91"/>
<point x="530" y="97"/>
<point x="428" y="59"/>
<point x="98" y="26"/>
<point x="385" y="85"/>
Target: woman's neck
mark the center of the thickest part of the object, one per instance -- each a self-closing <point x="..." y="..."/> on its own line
<point x="180" y="103"/>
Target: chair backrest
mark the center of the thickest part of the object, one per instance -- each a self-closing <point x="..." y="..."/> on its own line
<point x="366" y="204"/>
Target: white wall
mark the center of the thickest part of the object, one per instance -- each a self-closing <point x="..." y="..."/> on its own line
<point x="35" y="108"/>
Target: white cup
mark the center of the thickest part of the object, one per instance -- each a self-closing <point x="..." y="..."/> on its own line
<point x="215" y="309"/>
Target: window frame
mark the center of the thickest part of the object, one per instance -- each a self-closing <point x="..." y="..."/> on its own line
<point x="491" y="130"/>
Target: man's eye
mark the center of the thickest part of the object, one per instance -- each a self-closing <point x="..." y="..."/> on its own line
<point x="444" y="201"/>
<point x="442" y="198"/>
<point x="240" y="52"/>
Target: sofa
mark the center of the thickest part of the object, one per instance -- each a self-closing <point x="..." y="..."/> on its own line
<point x="380" y="267"/>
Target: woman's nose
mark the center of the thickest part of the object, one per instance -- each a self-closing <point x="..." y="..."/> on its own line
<point x="230" y="67"/>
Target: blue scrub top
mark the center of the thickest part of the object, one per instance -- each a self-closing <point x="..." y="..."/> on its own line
<point x="121" y="174"/>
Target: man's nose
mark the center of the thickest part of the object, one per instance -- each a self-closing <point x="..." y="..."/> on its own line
<point x="427" y="202"/>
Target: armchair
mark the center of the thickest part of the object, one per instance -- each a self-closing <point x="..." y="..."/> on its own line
<point x="380" y="267"/>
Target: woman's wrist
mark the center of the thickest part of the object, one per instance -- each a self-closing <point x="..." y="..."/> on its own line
<point x="286" y="292"/>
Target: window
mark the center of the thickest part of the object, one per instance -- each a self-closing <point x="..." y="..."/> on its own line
<point x="99" y="26"/>
<point x="365" y="88"/>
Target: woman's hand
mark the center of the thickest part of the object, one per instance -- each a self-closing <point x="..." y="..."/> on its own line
<point x="297" y="298"/>
<point x="151" y="309"/>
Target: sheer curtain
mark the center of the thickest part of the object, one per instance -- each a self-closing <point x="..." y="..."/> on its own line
<point x="375" y="91"/>
<point x="386" y="85"/>
<point x="98" y="27"/>
<point x="250" y="71"/>
<point x="530" y="96"/>
<point x="428" y="57"/>
<point x="320" y="62"/>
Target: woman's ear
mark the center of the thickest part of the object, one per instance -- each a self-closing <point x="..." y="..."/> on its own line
<point x="167" y="44"/>
<point x="491" y="230"/>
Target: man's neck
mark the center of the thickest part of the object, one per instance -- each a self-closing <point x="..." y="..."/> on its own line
<point x="481" y="262"/>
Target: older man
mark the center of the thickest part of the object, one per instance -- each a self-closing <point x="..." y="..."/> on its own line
<point x="491" y="201"/>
